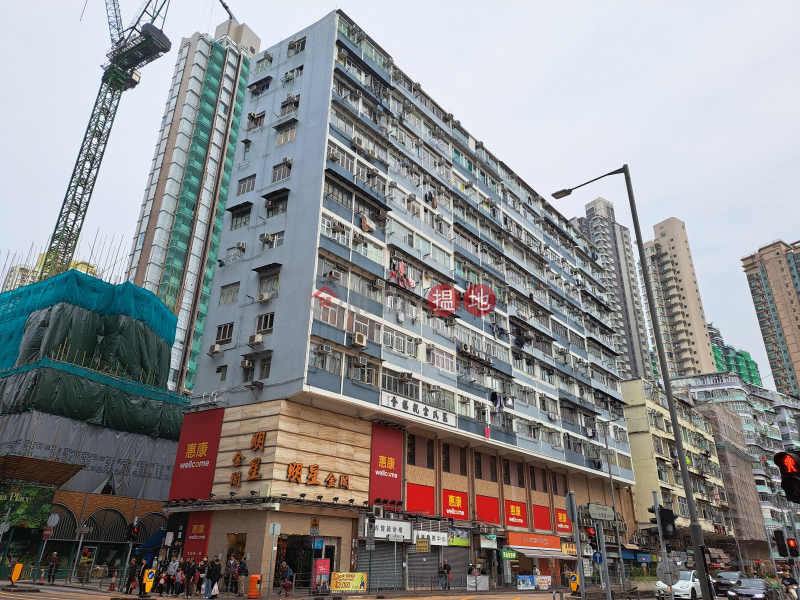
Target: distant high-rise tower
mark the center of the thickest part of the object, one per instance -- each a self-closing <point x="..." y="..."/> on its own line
<point x="680" y="318"/>
<point x="613" y="242"/>
<point x="19" y="275"/>
<point x="773" y="274"/>
<point x="176" y="242"/>
<point x="731" y="360"/>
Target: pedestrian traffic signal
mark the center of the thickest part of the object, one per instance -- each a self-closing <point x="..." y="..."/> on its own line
<point x="791" y="543"/>
<point x="780" y="542"/>
<point x="668" y="527"/>
<point x="591" y="533"/>
<point x="789" y="465"/>
<point x="132" y="533"/>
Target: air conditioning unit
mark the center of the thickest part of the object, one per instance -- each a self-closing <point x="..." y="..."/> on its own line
<point x="405" y="376"/>
<point x="241" y="246"/>
<point x="489" y="360"/>
<point x="397" y="254"/>
<point x="324" y="350"/>
<point x="287" y="161"/>
<point x="266" y="238"/>
<point x="265" y="296"/>
<point x="436" y="388"/>
<point x="254" y="340"/>
<point x="430" y="346"/>
<point x="215" y="349"/>
<point x="359" y="93"/>
<point x="358" y="142"/>
<point x="379" y="284"/>
<point x="418" y="340"/>
<point x="247" y="364"/>
<point x="377" y="511"/>
<point x="463" y="347"/>
<point x="362" y="360"/>
<point x="360" y="340"/>
<point x="358" y="238"/>
<point x="401" y="317"/>
<point x="337" y="227"/>
<point x="334" y="275"/>
<point x="333" y="155"/>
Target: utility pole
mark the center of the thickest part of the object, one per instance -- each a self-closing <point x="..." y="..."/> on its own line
<point x="614" y="503"/>
<point x="572" y="513"/>
<point x="664" y="557"/>
<point x="601" y="541"/>
<point x="774" y="564"/>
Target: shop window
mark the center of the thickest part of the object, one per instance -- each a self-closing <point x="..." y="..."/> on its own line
<point x="419" y="452"/>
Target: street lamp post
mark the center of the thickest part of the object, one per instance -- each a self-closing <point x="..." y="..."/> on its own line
<point x="614" y="502"/>
<point x="695" y="528"/>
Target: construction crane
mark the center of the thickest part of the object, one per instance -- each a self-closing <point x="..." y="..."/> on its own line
<point x="133" y="47"/>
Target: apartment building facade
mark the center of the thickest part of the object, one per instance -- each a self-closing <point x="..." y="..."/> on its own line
<point x="613" y="243"/>
<point x="768" y="421"/>
<point x="176" y="243"/>
<point x="773" y="274"/>
<point x="358" y="200"/>
<point x="656" y="466"/>
<point x="680" y="318"/>
<point x="732" y="360"/>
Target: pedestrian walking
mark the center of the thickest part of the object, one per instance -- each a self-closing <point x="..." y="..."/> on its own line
<point x="442" y="576"/>
<point x="140" y="578"/>
<point x="172" y="571"/>
<point x="189" y="571"/>
<point x="52" y="568"/>
<point x="133" y="569"/>
<point x="448" y="574"/>
<point x="213" y="577"/>
<point x="243" y="575"/>
<point x="230" y="573"/>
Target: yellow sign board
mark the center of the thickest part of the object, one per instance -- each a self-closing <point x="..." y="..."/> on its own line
<point x="16" y="572"/>
<point x="149" y="579"/>
<point x="423" y="545"/>
<point x="315" y="521"/>
<point x="348" y="582"/>
<point x="574" y="581"/>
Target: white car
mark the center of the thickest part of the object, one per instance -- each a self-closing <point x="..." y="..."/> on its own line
<point x="688" y="586"/>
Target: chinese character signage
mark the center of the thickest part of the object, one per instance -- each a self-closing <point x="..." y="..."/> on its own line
<point x="563" y="524"/>
<point x="516" y="515"/>
<point x="419" y="410"/>
<point x="436" y="538"/>
<point x="197" y="454"/>
<point x="386" y="463"/>
<point x="348" y="582"/>
<point x="254" y="462"/>
<point x="455" y="504"/>
<point x="387" y="527"/>
<point x="198" y="529"/>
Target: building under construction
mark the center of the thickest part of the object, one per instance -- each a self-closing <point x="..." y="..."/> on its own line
<point x="731" y="360"/>
<point x="88" y="430"/>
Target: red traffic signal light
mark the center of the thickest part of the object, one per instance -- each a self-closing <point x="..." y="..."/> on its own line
<point x="789" y="465"/>
<point x="591" y="531"/>
<point x="794" y="551"/>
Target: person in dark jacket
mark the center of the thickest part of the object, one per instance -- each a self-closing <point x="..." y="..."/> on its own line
<point x="140" y="577"/>
<point x="189" y="569"/>
<point x="53" y="568"/>
<point x="243" y="573"/>
<point x="132" y="571"/>
<point x="214" y="575"/>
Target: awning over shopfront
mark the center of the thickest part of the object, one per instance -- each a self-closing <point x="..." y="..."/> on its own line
<point x="542" y="553"/>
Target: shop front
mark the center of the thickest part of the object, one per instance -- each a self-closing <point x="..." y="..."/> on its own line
<point x="542" y="554"/>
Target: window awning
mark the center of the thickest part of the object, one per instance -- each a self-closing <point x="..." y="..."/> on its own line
<point x="542" y="553"/>
<point x="631" y="546"/>
<point x="285" y="121"/>
<point x="258" y="82"/>
<point x="275" y="265"/>
<point x="240" y="206"/>
<point x="284" y="191"/>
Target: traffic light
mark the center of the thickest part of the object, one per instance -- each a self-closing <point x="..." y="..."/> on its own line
<point x="780" y="542"/>
<point x="793" y="549"/>
<point x="758" y="565"/>
<point x="591" y="533"/>
<point x="132" y="533"/>
<point x="668" y="527"/>
<point x="789" y="465"/>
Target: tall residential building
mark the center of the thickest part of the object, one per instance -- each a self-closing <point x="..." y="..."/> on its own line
<point x="613" y="243"/>
<point x="731" y="360"/>
<point x="656" y="467"/>
<point x="19" y="275"/>
<point x="332" y="383"/>
<point x="680" y="319"/>
<point x="768" y="420"/>
<point x="176" y="242"/>
<point x="773" y="274"/>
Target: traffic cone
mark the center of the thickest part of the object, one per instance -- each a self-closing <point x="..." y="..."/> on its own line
<point x="41" y="579"/>
<point x="113" y="585"/>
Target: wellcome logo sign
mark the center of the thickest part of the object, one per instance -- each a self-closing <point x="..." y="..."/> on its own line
<point x="195" y="463"/>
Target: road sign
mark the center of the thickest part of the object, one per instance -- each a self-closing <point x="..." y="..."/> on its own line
<point x="314" y="532"/>
<point x="370" y="545"/>
<point x="423" y="545"/>
<point x="395" y="537"/>
<point x="83" y="530"/>
<point x="601" y="512"/>
<point x="274" y="528"/>
<point x="315" y="521"/>
<point x="48" y="531"/>
<point x="573" y="582"/>
<point x="5" y="526"/>
<point x="508" y="554"/>
<point x="570" y="514"/>
<point x="672" y="568"/>
<point x="598" y="557"/>
<point x="53" y="520"/>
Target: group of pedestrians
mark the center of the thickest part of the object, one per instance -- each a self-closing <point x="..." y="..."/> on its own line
<point x="185" y="577"/>
<point x="445" y="574"/>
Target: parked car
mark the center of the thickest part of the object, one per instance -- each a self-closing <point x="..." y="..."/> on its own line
<point x="753" y="588"/>
<point x="687" y="586"/>
<point x="726" y="580"/>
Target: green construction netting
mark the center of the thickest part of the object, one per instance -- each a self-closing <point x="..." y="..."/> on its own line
<point x="116" y="343"/>
<point x="84" y="291"/>
<point x="84" y="395"/>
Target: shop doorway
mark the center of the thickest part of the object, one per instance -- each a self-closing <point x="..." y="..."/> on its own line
<point x="330" y="554"/>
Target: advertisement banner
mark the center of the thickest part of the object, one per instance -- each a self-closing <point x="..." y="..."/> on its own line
<point x="197" y="455"/>
<point x="30" y="505"/>
<point x="488" y="509"/>
<point x="419" y="499"/>
<point x="533" y="540"/>
<point x="455" y="504"/>
<point x="563" y="524"/>
<point x="348" y="582"/>
<point x="198" y="529"/>
<point x="386" y="463"/>
<point x="321" y="573"/>
<point x="457" y="537"/>
<point x="516" y="515"/>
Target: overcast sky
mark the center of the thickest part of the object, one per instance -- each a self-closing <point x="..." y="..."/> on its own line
<point x="700" y="98"/>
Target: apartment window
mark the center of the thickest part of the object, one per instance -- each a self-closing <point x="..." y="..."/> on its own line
<point x="280" y="172"/>
<point x="240" y="219"/>
<point x="248" y="184"/>
<point x="286" y="134"/>
<point x="506" y="471"/>
<point x="225" y="334"/>
<point x="446" y="458"/>
<point x="341" y="122"/>
<point x="256" y="120"/>
<point x="276" y="207"/>
<point x="400" y="342"/>
<point x="262" y="65"/>
<point x="392" y="383"/>
<point x="360" y="324"/>
<point x="441" y="360"/>
<point x="229" y="294"/>
<point x="248" y="372"/>
<point x="520" y="475"/>
<point x="264" y="323"/>
<point x="334" y="191"/>
<point x="296" y="48"/>
<point x="364" y="286"/>
<point x="683" y="507"/>
<point x="492" y="469"/>
<point x="335" y="230"/>
<point x="478" y="466"/>
<point x="264" y="366"/>
<point x="223" y="372"/>
<point x="269" y="283"/>
<point x="290" y="105"/>
<point x="277" y="240"/>
<point x="366" y="373"/>
<point x="342" y="157"/>
<point x="327" y="361"/>
<point x="329" y="313"/>
<point x="259" y="88"/>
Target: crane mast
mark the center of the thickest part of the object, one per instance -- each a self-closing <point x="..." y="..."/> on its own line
<point x="131" y="48"/>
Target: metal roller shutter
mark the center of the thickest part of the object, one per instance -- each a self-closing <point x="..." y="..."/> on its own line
<point x="459" y="558"/>
<point x="383" y="565"/>
<point x="423" y="569"/>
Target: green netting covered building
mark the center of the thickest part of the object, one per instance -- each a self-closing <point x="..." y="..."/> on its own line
<point x="729" y="359"/>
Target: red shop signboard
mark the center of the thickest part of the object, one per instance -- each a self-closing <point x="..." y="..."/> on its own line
<point x="455" y="504"/>
<point x="419" y="499"/>
<point x="386" y="463"/>
<point x="563" y="524"/>
<point x="197" y="455"/>
<point x="516" y="514"/>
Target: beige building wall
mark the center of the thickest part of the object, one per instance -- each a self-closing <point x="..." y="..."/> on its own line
<point x="778" y="262"/>
<point x="679" y="305"/>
